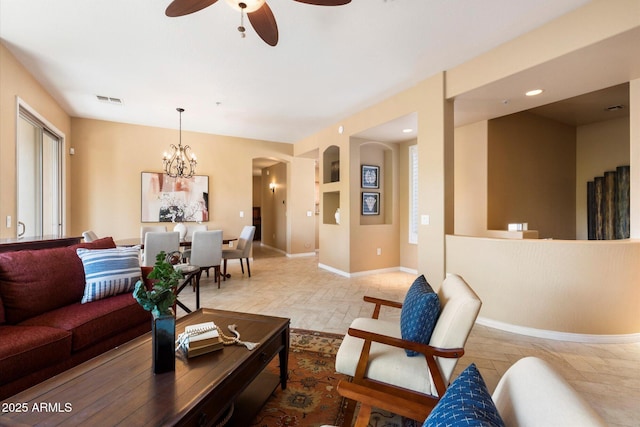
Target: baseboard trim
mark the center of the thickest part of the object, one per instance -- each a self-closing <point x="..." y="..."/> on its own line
<point x="379" y="271"/>
<point x="559" y="336"/>
<point x="333" y="270"/>
<point x="365" y="273"/>
<point x="301" y="254"/>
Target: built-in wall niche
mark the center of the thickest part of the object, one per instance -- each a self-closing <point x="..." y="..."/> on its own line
<point x="330" y="206"/>
<point x="331" y="164"/>
<point x="375" y="184"/>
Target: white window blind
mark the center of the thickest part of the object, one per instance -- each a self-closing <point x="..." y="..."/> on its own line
<point x="413" y="194"/>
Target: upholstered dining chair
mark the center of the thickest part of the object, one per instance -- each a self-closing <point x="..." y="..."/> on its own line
<point x="89" y="236"/>
<point x="156" y="242"/>
<point x="206" y="251"/>
<point x="147" y="228"/>
<point x="412" y="359"/>
<point x="186" y="254"/>
<point x="241" y="251"/>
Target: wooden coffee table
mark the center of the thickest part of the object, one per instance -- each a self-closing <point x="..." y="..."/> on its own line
<point x="119" y="388"/>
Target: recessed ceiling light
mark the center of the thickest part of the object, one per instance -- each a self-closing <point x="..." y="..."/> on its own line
<point x="407" y="130"/>
<point x="534" y="92"/>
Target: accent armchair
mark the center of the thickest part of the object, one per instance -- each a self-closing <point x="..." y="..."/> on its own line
<point x="413" y="359"/>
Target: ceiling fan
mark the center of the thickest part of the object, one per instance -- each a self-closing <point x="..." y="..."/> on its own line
<point x="258" y="11"/>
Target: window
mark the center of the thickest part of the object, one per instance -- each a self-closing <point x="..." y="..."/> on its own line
<point x="413" y="194"/>
<point x="39" y="164"/>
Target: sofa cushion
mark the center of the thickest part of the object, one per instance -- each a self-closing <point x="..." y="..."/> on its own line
<point x="109" y="272"/>
<point x="95" y="321"/>
<point x="466" y="402"/>
<point x="420" y="311"/>
<point x="27" y="349"/>
<point x="33" y="282"/>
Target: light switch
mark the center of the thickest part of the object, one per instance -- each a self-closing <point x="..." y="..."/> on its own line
<point x="424" y="219"/>
<point x="241" y="214"/>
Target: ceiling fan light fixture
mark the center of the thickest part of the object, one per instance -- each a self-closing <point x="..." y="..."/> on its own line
<point x="247" y="5"/>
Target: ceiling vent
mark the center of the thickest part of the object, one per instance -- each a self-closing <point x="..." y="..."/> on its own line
<point x="109" y="100"/>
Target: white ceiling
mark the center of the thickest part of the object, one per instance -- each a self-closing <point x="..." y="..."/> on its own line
<point x="330" y="61"/>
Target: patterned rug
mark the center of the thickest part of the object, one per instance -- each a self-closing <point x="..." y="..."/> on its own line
<point x="311" y="399"/>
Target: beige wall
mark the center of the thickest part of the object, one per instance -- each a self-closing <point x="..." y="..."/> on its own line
<point x="302" y="223"/>
<point x="532" y="175"/>
<point x="601" y="147"/>
<point x="15" y="81"/>
<point x="578" y="287"/>
<point x="471" y="151"/>
<point x="110" y="157"/>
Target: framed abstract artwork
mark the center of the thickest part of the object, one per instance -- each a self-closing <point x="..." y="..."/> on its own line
<point x="370" y="176"/>
<point x="370" y="203"/>
<point x="166" y="199"/>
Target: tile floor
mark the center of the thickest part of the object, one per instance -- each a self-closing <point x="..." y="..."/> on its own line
<point x="607" y="375"/>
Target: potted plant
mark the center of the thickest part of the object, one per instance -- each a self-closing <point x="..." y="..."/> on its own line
<point x="160" y="300"/>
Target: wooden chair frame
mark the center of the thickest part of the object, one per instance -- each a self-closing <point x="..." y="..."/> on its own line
<point x="401" y="401"/>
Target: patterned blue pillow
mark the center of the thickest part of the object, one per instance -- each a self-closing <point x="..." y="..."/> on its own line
<point x="419" y="314"/>
<point x="109" y="271"/>
<point x="467" y="402"/>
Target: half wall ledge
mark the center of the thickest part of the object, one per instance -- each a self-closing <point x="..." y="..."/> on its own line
<point x="586" y="291"/>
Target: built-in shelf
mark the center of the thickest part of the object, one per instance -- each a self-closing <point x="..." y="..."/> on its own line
<point x="331" y="164"/>
<point x="330" y="203"/>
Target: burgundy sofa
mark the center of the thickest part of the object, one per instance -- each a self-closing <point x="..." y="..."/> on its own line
<point x="44" y="329"/>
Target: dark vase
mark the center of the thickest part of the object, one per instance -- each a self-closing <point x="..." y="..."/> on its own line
<point x="163" y="333"/>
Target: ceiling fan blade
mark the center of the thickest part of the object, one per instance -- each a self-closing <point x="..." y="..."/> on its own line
<point x="325" y="2"/>
<point x="185" y="7"/>
<point x="263" y="21"/>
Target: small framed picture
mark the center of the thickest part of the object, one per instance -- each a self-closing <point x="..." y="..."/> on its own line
<point x="370" y="176"/>
<point x="370" y="203"/>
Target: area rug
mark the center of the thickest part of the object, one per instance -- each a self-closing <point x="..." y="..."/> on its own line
<point x="311" y="398"/>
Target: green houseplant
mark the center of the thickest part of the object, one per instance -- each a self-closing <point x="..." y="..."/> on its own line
<point x="159" y="300"/>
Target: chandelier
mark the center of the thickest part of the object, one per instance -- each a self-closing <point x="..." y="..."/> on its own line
<point x="180" y="164"/>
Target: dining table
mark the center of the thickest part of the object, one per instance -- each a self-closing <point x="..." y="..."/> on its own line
<point x="184" y="243"/>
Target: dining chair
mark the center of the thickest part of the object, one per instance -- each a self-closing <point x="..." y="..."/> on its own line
<point x="89" y="236"/>
<point x="241" y="251"/>
<point x="158" y="241"/>
<point x="147" y="228"/>
<point x="206" y="251"/>
<point x="186" y="255"/>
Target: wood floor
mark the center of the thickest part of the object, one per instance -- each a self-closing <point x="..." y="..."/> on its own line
<point x="607" y="375"/>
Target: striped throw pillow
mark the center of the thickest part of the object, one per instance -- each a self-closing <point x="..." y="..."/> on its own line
<point x="109" y="272"/>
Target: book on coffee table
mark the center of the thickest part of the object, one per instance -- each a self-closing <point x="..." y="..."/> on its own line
<point x="202" y="338"/>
